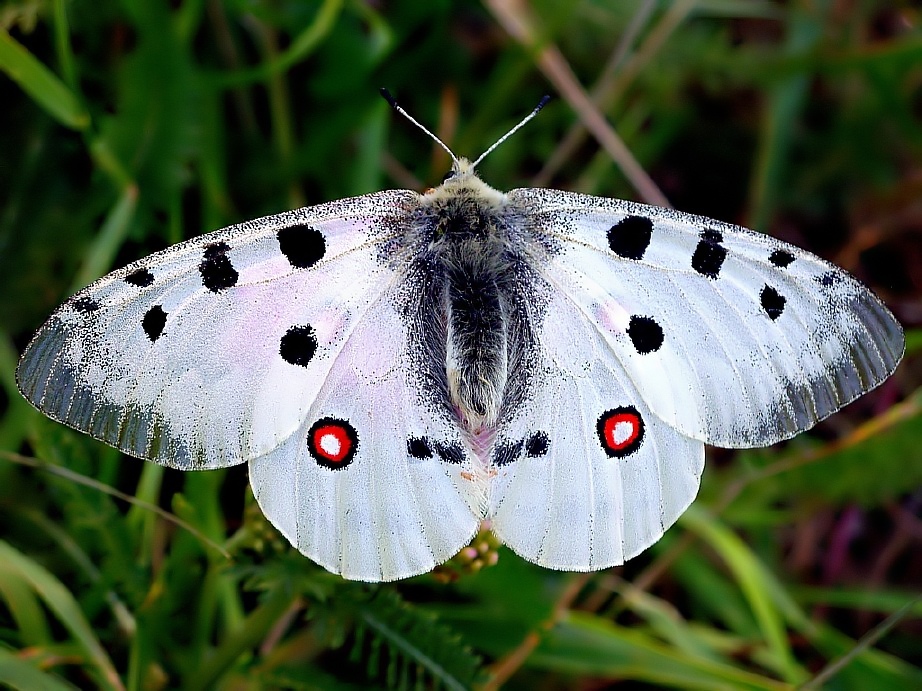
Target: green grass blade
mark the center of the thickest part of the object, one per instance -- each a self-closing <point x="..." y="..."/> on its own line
<point x="588" y="645"/>
<point x="248" y="634"/>
<point x="60" y="601"/>
<point x="100" y="256"/>
<point x="20" y="675"/>
<point x="869" y="640"/>
<point x="787" y="100"/>
<point x="41" y="84"/>
<point x="755" y="584"/>
<point x="26" y="611"/>
<point x="302" y="45"/>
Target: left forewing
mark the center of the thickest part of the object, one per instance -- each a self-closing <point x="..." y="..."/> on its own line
<point x="210" y="352"/>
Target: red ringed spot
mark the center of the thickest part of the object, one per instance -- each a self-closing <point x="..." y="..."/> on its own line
<point x="620" y="431"/>
<point x="332" y="442"/>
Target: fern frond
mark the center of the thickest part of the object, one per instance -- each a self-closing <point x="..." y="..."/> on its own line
<point x="408" y="647"/>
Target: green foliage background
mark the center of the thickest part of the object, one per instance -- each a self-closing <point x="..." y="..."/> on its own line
<point x="130" y="125"/>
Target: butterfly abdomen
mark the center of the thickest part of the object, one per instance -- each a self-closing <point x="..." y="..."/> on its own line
<point x="476" y="352"/>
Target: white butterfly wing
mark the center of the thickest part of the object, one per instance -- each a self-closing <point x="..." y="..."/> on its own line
<point x="730" y="336"/>
<point x="279" y="342"/>
<point x="211" y="352"/>
<point x="586" y="476"/>
<point x="404" y="500"/>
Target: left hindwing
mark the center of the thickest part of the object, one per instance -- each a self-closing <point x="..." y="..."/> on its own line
<point x="730" y="336"/>
<point x="373" y="485"/>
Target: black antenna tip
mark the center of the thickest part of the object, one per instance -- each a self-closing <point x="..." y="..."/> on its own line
<point x="387" y="97"/>
<point x="542" y="102"/>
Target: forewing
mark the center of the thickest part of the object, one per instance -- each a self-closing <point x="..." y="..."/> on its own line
<point x="586" y="476"/>
<point x="376" y="484"/>
<point x="731" y="336"/>
<point x="212" y="352"/>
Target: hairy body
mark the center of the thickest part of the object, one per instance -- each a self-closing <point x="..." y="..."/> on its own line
<point x="474" y="263"/>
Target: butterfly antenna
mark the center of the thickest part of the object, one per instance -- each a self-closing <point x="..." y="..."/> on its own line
<point x="393" y="102"/>
<point x="541" y="104"/>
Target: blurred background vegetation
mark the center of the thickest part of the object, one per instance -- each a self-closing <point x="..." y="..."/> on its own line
<point x="130" y="125"/>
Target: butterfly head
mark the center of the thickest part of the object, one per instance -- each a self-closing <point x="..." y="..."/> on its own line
<point x="462" y="182"/>
<point x="462" y="185"/>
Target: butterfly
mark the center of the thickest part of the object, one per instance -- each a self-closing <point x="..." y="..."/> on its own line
<point x="397" y="368"/>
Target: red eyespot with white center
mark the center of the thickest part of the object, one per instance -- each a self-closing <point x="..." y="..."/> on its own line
<point x="620" y="431"/>
<point x="332" y="442"/>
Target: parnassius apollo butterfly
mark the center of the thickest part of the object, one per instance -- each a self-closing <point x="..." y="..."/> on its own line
<point x="398" y="367"/>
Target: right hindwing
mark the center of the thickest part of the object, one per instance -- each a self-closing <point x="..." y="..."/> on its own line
<point x="586" y="476"/>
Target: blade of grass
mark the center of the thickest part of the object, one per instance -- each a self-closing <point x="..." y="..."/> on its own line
<point x="89" y="482"/>
<point x="302" y="45"/>
<point x="751" y="577"/>
<point x="868" y="640"/>
<point x="60" y="601"/>
<point x="282" y="128"/>
<point x="139" y="520"/>
<point x="615" y="80"/>
<point x="63" y="48"/>
<point x="785" y="103"/>
<point x="588" y="645"/>
<point x="888" y="601"/>
<point x="366" y="173"/>
<point x="26" y="612"/>
<point x="503" y="669"/>
<point x="81" y="559"/>
<point x="664" y="619"/>
<point x="19" y="674"/>
<point x="41" y="84"/>
<point x="100" y="255"/>
<point x="246" y="636"/>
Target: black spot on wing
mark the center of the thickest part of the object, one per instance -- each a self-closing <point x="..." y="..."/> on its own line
<point x="645" y="334"/>
<point x="829" y="278"/>
<point x="218" y="273"/>
<point x="537" y="445"/>
<point x="418" y="447"/>
<point x="772" y="302"/>
<point x="85" y="305"/>
<point x="153" y="322"/>
<point x="709" y="254"/>
<point x="781" y="258"/>
<point x="507" y="452"/>
<point x="302" y="245"/>
<point x="450" y="452"/>
<point x="140" y="278"/>
<point x="630" y="237"/>
<point x="298" y="345"/>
